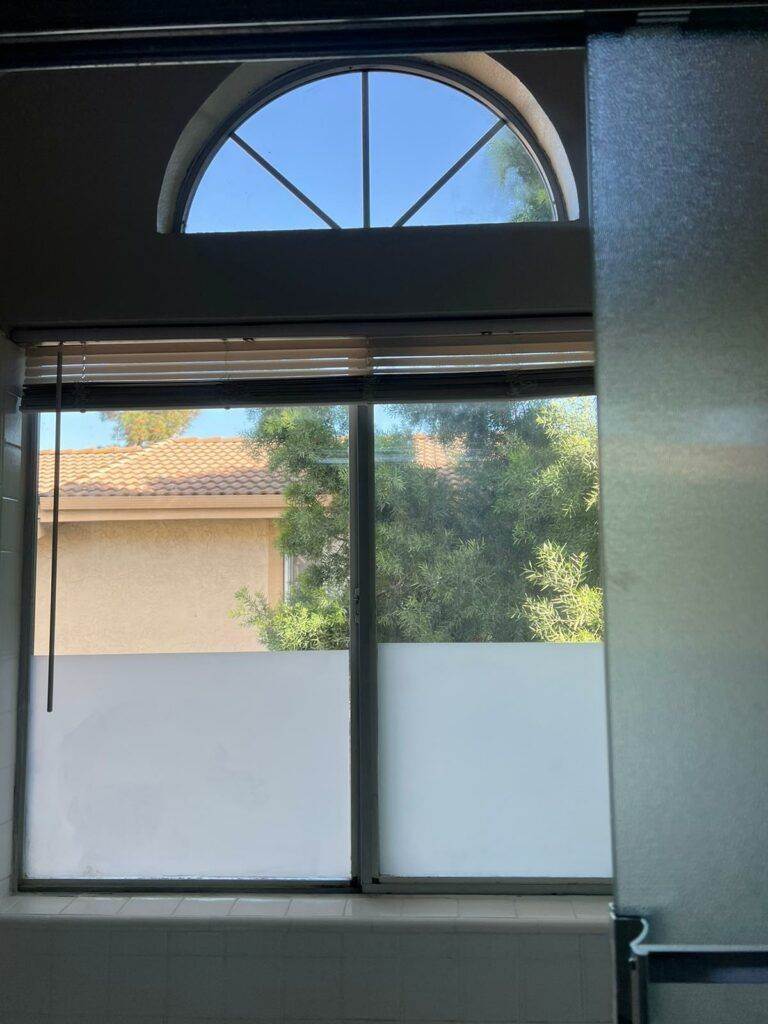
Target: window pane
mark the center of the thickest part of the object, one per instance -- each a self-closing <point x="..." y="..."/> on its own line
<point x="187" y="740"/>
<point x="500" y="184"/>
<point x="313" y="135"/>
<point x="418" y="129"/>
<point x="237" y="194"/>
<point x="492" y="743"/>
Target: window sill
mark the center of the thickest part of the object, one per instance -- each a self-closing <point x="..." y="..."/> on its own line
<point x="523" y="914"/>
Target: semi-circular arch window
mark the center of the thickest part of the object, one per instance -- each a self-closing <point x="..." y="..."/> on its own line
<point x="359" y="148"/>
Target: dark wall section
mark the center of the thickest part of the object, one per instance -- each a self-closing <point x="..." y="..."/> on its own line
<point x="85" y="154"/>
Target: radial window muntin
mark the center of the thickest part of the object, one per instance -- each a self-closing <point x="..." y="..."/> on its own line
<point x="506" y="117"/>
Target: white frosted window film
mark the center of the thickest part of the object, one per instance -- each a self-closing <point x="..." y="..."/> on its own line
<point x="492" y="723"/>
<point x="493" y="760"/>
<point x="190" y="765"/>
<point x="190" y="738"/>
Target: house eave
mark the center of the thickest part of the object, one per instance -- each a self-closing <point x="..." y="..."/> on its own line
<point x="105" y="508"/>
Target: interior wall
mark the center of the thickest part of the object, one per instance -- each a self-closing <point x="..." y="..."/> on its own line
<point x="678" y="122"/>
<point x="83" y="171"/>
<point x="11" y="495"/>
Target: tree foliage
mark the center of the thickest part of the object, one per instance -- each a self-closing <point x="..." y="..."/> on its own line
<point x="519" y="177"/>
<point x="569" y="609"/>
<point x="464" y="550"/>
<point x="145" y="426"/>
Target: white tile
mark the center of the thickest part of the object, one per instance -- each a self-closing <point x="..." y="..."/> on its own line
<point x="253" y="987"/>
<point x="48" y="906"/>
<point x="150" y="906"/>
<point x="9" y="679"/>
<point x="430" y="906"/>
<point x="436" y="943"/>
<point x="6" y="848"/>
<point x="138" y="938"/>
<point x="557" y="907"/>
<point x="195" y="987"/>
<point x="95" y="906"/>
<point x="260" y="906"/>
<point x="6" y="793"/>
<point x="371" y="988"/>
<point x="7" y="737"/>
<point x="550" y="948"/>
<point x="25" y="938"/>
<point x="204" y="906"/>
<point x="74" y="939"/>
<point x="137" y="984"/>
<point x="550" y="991"/>
<point x="376" y="943"/>
<point x="597" y="988"/>
<point x="591" y="907"/>
<point x="25" y="986"/>
<point x="310" y="907"/>
<point x="311" y="941"/>
<point x="195" y="942"/>
<point x="79" y="984"/>
<point x="430" y="989"/>
<point x="492" y="907"/>
<point x="488" y="990"/>
<point x="312" y="989"/>
<point x="485" y="945"/>
<point x="596" y="947"/>
<point x="374" y="907"/>
<point x="254" y="941"/>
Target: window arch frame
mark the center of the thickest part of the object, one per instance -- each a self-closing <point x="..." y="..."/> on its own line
<point x="306" y="74"/>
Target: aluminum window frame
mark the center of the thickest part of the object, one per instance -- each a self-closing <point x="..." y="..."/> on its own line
<point x="314" y="72"/>
<point x="365" y="877"/>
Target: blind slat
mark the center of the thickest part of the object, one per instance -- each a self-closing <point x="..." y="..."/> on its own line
<point x="241" y="359"/>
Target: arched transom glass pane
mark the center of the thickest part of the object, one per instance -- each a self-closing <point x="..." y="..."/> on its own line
<point x="370" y="148"/>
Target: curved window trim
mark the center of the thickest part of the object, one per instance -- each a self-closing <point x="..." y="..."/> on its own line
<point x="297" y="77"/>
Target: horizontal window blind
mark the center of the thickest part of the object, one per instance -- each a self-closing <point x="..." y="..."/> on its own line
<point x="93" y="368"/>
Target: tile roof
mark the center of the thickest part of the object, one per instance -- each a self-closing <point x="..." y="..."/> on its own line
<point x="184" y="466"/>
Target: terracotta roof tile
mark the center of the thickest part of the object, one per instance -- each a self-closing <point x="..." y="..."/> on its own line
<point x="184" y="466"/>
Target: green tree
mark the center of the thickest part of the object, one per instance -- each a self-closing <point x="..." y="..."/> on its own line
<point x="144" y="426"/>
<point x="455" y="544"/>
<point x="569" y="609"/>
<point x="518" y="176"/>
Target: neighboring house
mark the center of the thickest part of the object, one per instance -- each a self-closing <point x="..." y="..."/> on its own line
<point x="155" y="540"/>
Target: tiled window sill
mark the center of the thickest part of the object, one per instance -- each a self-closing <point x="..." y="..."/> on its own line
<point x="493" y="913"/>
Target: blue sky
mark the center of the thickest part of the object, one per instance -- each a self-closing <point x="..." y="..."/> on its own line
<point x="312" y="135"/>
<point x="89" y="430"/>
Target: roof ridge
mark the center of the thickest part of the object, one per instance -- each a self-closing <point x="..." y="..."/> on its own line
<point x="134" y="452"/>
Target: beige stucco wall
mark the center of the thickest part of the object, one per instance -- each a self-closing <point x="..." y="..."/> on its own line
<point x="154" y="586"/>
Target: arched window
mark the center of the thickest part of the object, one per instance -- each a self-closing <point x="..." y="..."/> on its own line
<point x="370" y="147"/>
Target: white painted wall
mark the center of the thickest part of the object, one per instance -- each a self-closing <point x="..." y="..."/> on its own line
<point x="493" y="762"/>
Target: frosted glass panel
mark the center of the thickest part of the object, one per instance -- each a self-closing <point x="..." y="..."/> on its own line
<point x="201" y="719"/>
<point x="190" y="765"/>
<point x="493" y="760"/>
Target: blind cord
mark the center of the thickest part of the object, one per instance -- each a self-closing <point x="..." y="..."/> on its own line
<point x="55" y="531"/>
